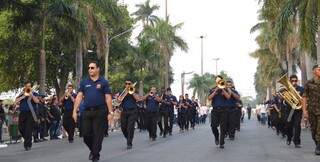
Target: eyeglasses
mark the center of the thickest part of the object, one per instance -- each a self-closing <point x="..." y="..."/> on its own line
<point x="91" y="67"/>
<point x="128" y="83"/>
<point x="294" y="80"/>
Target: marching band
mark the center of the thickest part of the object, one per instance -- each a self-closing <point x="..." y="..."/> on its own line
<point x="95" y="107"/>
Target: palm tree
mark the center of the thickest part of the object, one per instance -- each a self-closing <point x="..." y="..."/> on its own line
<point x="95" y="16"/>
<point x="145" y="13"/>
<point x="166" y="40"/>
<point x="201" y="85"/>
<point x="307" y="13"/>
<point x="40" y="16"/>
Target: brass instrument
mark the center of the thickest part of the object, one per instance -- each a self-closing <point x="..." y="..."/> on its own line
<point x="221" y="84"/>
<point x="67" y="95"/>
<point x="131" y="89"/>
<point x="27" y="91"/>
<point x="290" y="95"/>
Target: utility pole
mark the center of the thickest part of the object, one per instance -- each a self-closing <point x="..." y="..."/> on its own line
<point x="183" y="81"/>
<point x="166" y="4"/>
<point x="216" y="59"/>
<point x="201" y="37"/>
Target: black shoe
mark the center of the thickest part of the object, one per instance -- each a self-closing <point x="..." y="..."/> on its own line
<point x="129" y="147"/>
<point x="161" y="133"/>
<point x="36" y="141"/>
<point x="222" y="146"/>
<point x="95" y="160"/>
<point x="153" y="139"/>
<point x="164" y="135"/>
<point x="217" y="142"/>
<point x="288" y="142"/>
<point x="297" y="146"/>
<point x="27" y="148"/>
<point x="91" y="157"/>
<point x="70" y="141"/>
<point x="317" y="151"/>
<point x="170" y="133"/>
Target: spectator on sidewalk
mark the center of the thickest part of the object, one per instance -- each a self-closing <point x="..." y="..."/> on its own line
<point x="2" y="119"/>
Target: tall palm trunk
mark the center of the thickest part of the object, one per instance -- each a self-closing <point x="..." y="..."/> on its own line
<point x="309" y="63"/>
<point x="141" y="83"/>
<point x="106" y="58"/>
<point x="79" y="63"/>
<point x="42" y="59"/>
<point x="303" y="67"/>
<point x="318" y="46"/>
<point x="167" y="68"/>
<point x="289" y="63"/>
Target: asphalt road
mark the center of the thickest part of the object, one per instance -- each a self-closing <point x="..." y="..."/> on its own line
<point x="255" y="143"/>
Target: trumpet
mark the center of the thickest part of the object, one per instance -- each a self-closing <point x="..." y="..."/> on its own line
<point x="67" y="95"/>
<point x="27" y="91"/>
<point x="221" y="84"/>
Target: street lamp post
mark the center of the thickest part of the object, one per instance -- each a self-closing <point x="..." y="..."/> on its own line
<point x="183" y="80"/>
<point x="106" y="63"/>
<point x="216" y="59"/>
<point x="201" y="37"/>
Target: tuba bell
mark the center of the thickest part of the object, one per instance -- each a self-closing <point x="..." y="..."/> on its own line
<point x="289" y="93"/>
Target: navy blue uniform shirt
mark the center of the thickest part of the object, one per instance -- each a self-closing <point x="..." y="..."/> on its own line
<point x="68" y="103"/>
<point x="232" y="102"/>
<point x="152" y="104"/>
<point x="129" y="103"/>
<point x="218" y="100"/>
<point x="24" y="107"/>
<point x="94" y="92"/>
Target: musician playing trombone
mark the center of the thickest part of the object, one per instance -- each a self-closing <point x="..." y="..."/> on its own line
<point x="129" y="115"/>
<point x="27" y="117"/>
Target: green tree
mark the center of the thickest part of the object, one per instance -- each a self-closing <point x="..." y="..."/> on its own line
<point x="145" y="14"/>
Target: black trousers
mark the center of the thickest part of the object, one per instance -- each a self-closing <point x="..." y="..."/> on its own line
<point x="164" y="118"/>
<point x="293" y="128"/>
<point x="141" y="119"/>
<point x="182" y="120"/>
<point x="26" y="123"/>
<point x="151" y="121"/>
<point x="93" y="126"/>
<point x="128" y="120"/>
<point x="171" y="120"/>
<point x="219" y="118"/>
<point x="69" y="124"/>
<point x="232" y="121"/>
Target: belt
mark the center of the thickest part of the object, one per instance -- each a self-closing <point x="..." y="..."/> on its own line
<point x="92" y="108"/>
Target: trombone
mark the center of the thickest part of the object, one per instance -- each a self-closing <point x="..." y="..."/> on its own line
<point x="131" y="91"/>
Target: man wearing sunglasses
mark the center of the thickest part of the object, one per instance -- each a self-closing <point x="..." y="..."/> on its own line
<point x="129" y="114"/>
<point x="293" y="128"/>
<point x="96" y="95"/>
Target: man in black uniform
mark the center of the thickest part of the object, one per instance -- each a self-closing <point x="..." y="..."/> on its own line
<point x="233" y="110"/>
<point x="194" y="106"/>
<point x="27" y="102"/>
<point x="249" y="109"/>
<point x="189" y="111"/>
<point x="181" y="113"/>
<point x="219" y="114"/>
<point x="129" y="114"/>
<point x="294" y="125"/>
<point x="164" y="115"/>
<point x="152" y="110"/>
<point x="96" y="95"/>
<point x="172" y="102"/>
<point x="67" y="101"/>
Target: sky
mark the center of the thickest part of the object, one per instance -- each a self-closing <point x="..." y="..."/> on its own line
<point x="226" y="26"/>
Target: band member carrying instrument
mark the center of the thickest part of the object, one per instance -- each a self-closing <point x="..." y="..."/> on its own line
<point x="219" y="114"/>
<point x="234" y="111"/>
<point x="173" y="101"/>
<point x="181" y="113"/>
<point x="67" y="101"/>
<point x="27" y="117"/>
<point x="293" y="126"/>
<point x="311" y="106"/>
<point x="152" y="100"/>
<point x="189" y="113"/>
<point x="164" y="115"/>
<point x="129" y="114"/>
